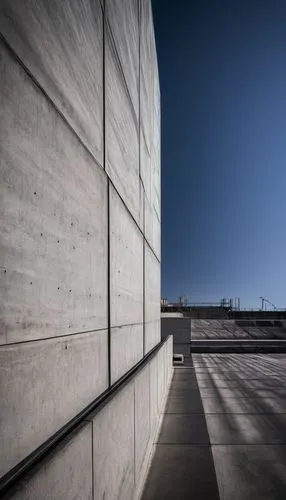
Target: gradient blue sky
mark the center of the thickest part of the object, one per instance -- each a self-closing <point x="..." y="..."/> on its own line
<point x="222" y="71"/>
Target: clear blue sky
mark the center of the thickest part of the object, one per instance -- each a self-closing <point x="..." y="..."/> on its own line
<point x="222" y="71"/>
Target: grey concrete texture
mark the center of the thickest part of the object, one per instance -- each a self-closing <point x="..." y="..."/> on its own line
<point x="180" y="328"/>
<point x="48" y="205"/>
<point x="154" y="410"/>
<point x="123" y="429"/>
<point x="113" y="448"/>
<point x="49" y="382"/>
<point x="233" y="329"/>
<point x="61" y="269"/>
<point x="152" y="286"/>
<point x="122" y="140"/>
<point x="246" y="425"/>
<point x="142" y="418"/>
<point x="146" y="87"/>
<point x="181" y="472"/>
<point x="152" y="228"/>
<point x="126" y="266"/>
<point x="182" y="349"/>
<point x="152" y="334"/>
<point x="65" y="475"/>
<point x="61" y="44"/>
<point x="126" y="349"/>
<point x="251" y="471"/>
<point x="123" y="19"/>
<point x="182" y="466"/>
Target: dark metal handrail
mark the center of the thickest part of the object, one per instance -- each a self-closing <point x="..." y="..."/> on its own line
<point x="11" y="478"/>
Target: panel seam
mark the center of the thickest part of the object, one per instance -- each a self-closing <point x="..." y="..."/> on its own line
<point x="47" y="96"/>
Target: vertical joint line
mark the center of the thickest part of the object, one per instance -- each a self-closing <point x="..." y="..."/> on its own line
<point x="144" y="318"/>
<point x="103" y="85"/>
<point x="139" y="85"/>
<point x="108" y="284"/>
<point x="134" y="435"/>
<point x="140" y="178"/>
<point x="108" y="199"/>
<point x="92" y="462"/>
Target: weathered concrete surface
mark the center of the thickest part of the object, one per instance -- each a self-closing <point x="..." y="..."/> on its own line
<point x="146" y="96"/>
<point x="152" y="299"/>
<point x="122" y="134"/>
<point x="125" y="430"/>
<point x="126" y="349"/>
<point x="54" y="93"/>
<point x="152" y="334"/>
<point x="126" y="265"/>
<point x="180" y="328"/>
<point x="152" y="228"/>
<point x="61" y="43"/>
<point x="152" y="286"/>
<point x="66" y="475"/>
<point x="184" y="349"/>
<point x="142" y="418"/>
<point x="109" y="455"/>
<point x="113" y="445"/>
<point x="49" y="383"/>
<point x="154" y="411"/>
<point x="246" y="422"/>
<point x="237" y="329"/>
<point x="54" y="208"/>
<point x="123" y="21"/>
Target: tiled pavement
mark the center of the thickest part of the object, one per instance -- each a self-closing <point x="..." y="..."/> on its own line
<point x="224" y="431"/>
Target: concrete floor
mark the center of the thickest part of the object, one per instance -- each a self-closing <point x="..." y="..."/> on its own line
<point x="224" y="430"/>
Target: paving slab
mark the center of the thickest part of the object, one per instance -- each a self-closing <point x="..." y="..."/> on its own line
<point x="181" y="472"/>
<point x="247" y="429"/>
<point x="250" y="472"/>
<point x="182" y="405"/>
<point x="244" y="405"/>
<point x="184" y="429"/>
<point x="184" y="392"/>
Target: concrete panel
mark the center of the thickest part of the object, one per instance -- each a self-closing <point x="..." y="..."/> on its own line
<point x="54" y="204"/>
<point x="126" y="349"/>
<point x="146" y="95"/>
<point x="122" y="134"/>
<point x="152" y="286"/>
<point x="152" y="228"/>
<point x="123" y="20"/>
<point x="156" y="98"/>
<point x="141" y="207"/>
<point x="61" y="44"/>
<point x="126" y="265"/>
<point x="182" y="349"/>
<point x="180" y="328"/>
<point x="156" y="182"/>
<point x="255" y="471"/>
<point x="161" y="379"/>
<point x="152" y="335"/>
<point x="154" y="414"/>
<point x="113" y="445"/>
<point x="145" y="171"/>
<point x="170" y="358"/>
<point x="49" y="382"/>
<point x="65" y="475"/>
<point x="182" y="472"/>
<point x="142" y="418"/>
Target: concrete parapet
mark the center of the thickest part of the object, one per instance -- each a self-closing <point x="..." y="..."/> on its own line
<point x="109" y="455"/>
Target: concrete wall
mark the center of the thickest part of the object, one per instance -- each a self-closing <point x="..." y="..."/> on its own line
<point x="80" y="203"/>
<point x="180" y="328"/>
<point x="108" y="456"/>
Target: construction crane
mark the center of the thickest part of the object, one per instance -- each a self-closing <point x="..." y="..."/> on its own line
<point x="263" y="301"/>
